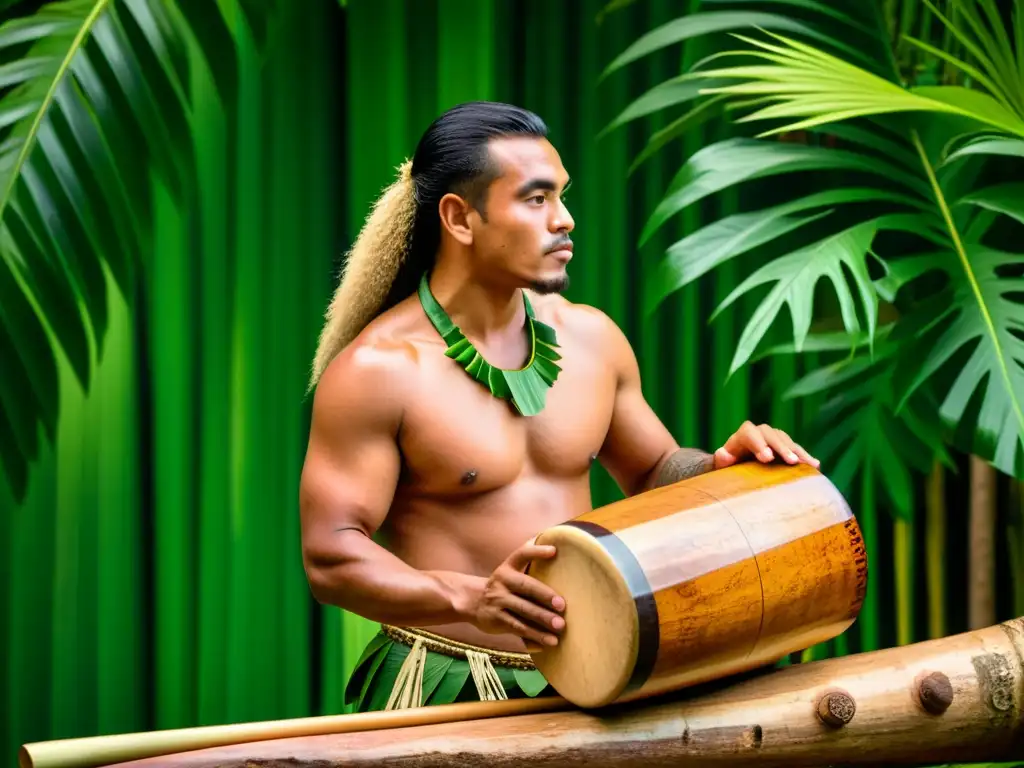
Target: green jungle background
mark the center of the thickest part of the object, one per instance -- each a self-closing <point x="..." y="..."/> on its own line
<point x="154" y="426"/>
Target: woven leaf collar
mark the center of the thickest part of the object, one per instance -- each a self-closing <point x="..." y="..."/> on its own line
<point x="527" y="387"/>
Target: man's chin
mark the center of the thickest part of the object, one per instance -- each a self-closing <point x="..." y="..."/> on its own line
<point x="549" y="285"/>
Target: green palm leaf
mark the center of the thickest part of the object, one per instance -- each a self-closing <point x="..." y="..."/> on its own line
<point x="795" y="276"/>
<point x="96" y="104"/>
<point x="860" y="426"/>
<point x="1006" y="199"/>
<point x="862" y="429"/>
<point x="711" y="22"/>
<point x="709" y="247"/>
<point x="967" y="329"/>
<point x="808" y="83"/>
<point x="988" y="146"/>
<point x="733" y="161"/>
<point x="983" y="319"/>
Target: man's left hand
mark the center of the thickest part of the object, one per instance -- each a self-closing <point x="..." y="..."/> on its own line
<point x="762" y="442"/>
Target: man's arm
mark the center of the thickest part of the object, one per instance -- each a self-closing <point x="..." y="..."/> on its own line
<point x="639" y="452"/>
<point x="348" y="482"/>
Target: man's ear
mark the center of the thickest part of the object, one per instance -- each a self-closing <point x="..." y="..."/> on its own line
<point x="455" y="213"/>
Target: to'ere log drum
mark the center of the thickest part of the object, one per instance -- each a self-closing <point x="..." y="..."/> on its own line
<point x="692" y="582"/>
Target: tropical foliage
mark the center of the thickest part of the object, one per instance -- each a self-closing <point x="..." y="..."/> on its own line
<point x="96" y="105"/>
<point x="219" y="182"/>
<point x="892" y="136"/>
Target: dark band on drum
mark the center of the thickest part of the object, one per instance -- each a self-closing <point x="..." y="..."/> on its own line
<point x="643" y="598"/>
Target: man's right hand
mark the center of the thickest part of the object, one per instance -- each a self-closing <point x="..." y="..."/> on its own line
<point x="512" y="601"/>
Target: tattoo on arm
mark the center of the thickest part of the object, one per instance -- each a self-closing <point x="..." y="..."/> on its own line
<point x="684" y="463"/>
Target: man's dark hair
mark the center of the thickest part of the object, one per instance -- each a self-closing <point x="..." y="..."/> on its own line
<point x="452" y="156"/>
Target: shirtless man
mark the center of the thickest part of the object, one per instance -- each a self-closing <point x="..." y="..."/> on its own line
<point x="423" y="488"/>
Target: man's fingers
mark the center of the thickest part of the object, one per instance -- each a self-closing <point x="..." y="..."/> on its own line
<point x="790" y="451"/>
<point x="525" y="631"/>
<point x="519" y="559"/>
<point x="805" y="456"/>
<point x="752" y="438"/>
<point x="524" y="609"/>
<point x="529" y="587"/>
<point x="764" y="443"/>
<point x="780" y="443"/>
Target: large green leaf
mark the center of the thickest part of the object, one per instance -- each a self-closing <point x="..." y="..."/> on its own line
<point x="96" y="105"/>
<point x="988" y="145"/>
<point x="1007" y="199"/>
<point x="926" y="144"/>
<point x="711" y="22"/>
<point x="863" y="431"/>
<point x="733" y="161"/>
<point x="805" y="82"/>
<point x="702" y="113"/>
<point x="672" y="93"/>
<point x="795" y="276"/>
<point x="983" y="321"/>
<point x="707" y="248"/>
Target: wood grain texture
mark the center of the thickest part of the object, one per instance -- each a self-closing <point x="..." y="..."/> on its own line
<point x="872" y="702"/>
<point x="746" y="564"/>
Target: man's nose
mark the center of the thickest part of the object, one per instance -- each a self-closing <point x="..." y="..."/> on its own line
<point x="562" y="220"/>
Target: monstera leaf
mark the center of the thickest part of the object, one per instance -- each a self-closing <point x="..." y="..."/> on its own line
<point x="916" y="204"/>
<point x="95" y="105"/>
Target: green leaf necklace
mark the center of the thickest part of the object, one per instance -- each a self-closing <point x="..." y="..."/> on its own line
<point x="526" y="387"/>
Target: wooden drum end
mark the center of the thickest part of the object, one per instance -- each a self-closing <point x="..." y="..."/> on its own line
<point x="597" y="651"/>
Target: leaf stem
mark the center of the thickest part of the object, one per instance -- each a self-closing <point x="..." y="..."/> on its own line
<point x="961" y="253"/>
<point x="28" y="144"/>
<point x="58" y="77"/>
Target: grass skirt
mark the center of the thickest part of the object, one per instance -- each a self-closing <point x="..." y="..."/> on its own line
<point x="407" y="668"/>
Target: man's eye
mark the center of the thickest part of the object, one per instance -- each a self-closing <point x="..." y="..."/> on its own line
<point x="537" y="199"/>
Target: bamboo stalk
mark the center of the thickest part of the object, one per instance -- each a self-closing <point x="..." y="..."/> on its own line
<point x="954" y="698"/>
<point x="982" y="552"/>
<point x="935" y="532"/>
<point x="94" y="751"/>
<point x="903" y="555"/>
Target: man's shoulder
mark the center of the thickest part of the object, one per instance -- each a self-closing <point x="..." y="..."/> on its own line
<point x="583" y="321"/>
<point x="375" y="365"/>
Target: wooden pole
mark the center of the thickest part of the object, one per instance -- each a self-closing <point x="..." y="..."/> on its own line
<point x="958" y="698"/>
<point x="981" y="594"/>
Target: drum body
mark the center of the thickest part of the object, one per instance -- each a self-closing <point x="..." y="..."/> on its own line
<point x="692" y="582"/>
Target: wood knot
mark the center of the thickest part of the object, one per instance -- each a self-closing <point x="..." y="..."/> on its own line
<point x="753" y="736"/>
<point x="836" y="708"/>
<point x="935" y="692"/>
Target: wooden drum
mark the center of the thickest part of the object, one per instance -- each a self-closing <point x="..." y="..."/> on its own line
<point x="711" y="576"/>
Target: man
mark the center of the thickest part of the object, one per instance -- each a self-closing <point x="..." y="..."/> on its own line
<point x="460" y="402"/>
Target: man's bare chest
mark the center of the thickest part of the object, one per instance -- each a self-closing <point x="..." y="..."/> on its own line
<point x="456" y="436"/>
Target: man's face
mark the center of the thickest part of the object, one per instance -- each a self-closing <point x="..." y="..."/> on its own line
<point x="525" y="234"/>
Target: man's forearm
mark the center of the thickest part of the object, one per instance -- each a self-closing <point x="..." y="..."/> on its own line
<point x="367" y="580"/>
<point x="680" y="465"/>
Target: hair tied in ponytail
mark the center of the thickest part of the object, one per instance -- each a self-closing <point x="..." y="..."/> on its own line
<point x="370" y="269"/>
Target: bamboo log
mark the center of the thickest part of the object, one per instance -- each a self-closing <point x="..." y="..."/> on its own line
<point x="959" y="698"/>
<point x="97" y="751"/>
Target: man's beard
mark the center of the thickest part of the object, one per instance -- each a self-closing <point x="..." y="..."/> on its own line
<point x="551" y="285"/>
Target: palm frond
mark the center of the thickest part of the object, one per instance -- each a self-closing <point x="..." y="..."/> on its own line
<point x="805" y="82"/>
<point x="95" y="105"/>
<point x="712" y="22"/>
<point x="862" y="429"/>
<point x="961" y="323"/>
